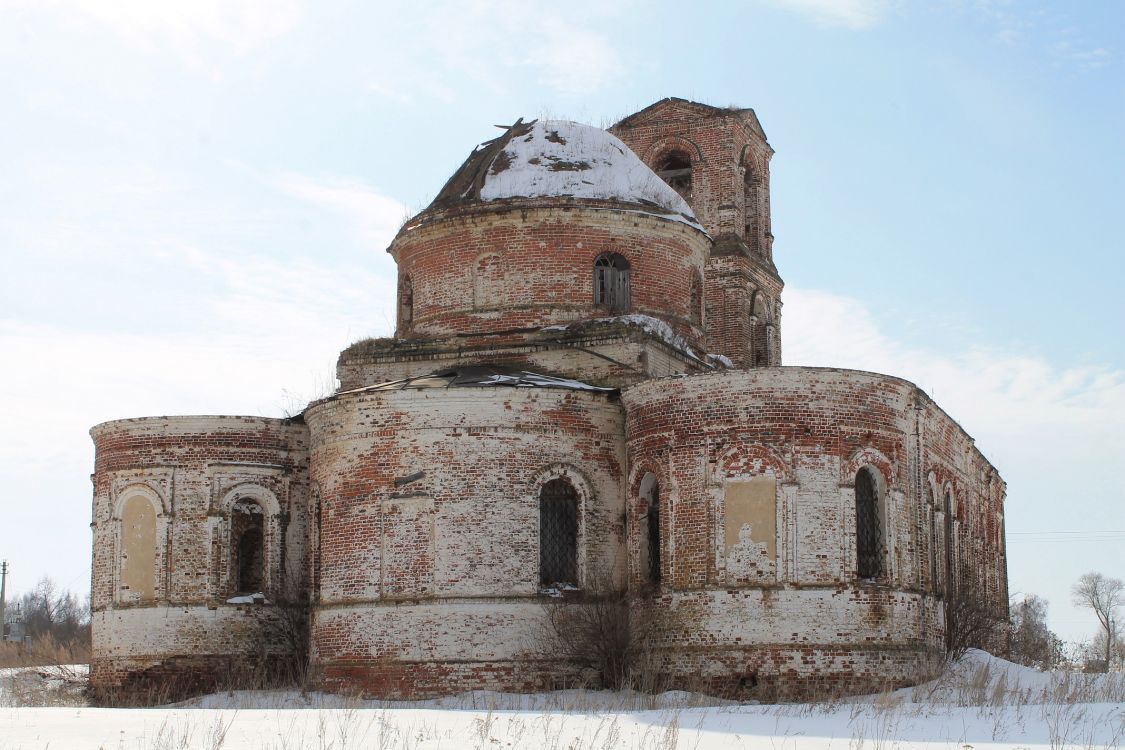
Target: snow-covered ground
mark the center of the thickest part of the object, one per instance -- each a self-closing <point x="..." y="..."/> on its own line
<point x="983" y="702"/>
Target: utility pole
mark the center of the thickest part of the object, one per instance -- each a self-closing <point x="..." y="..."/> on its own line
<point x="3" y="597"/>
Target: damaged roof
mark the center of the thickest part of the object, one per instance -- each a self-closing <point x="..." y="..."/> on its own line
<point x="482" y="376"/>
<point x="559" y="158"/>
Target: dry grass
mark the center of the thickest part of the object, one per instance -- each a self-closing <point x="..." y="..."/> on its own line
<point x="43" y="652"/>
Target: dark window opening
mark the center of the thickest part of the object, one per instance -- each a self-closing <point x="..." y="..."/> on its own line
<point x="675" y="169"/>
<point x="406" y="303"/>
<point x="611" y="281"/>
<point x="558" y="533"/>
<point x="869" y="546"/>
<point x="247" y="539"/>
<point x="949" y="542"/>
<point x="935" y="518"/>
<point x="696" y="297"/>
<point x="250" y="561"/>
<point x="759" y="331"/>
<point x="654" y="534"/>
<point x="751" y="209"/>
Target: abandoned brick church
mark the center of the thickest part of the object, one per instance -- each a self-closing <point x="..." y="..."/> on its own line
<point x="585" y="383"/>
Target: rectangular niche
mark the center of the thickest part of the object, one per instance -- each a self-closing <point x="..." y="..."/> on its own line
<point x="750" y="530"/>
<point x="408" y="547"/>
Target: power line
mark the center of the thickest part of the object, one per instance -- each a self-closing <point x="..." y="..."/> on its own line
<point x="1090" y="536"/>
<point x="1088" y="531"/>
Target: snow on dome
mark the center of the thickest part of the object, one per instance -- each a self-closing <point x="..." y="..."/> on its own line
<point x="559" y="158"/>
<point x="562" y="158"/>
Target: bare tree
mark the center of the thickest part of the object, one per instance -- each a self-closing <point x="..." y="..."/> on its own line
<point x="58" y="614"/>
<point x="1103" y="595"/>
<point x="1032" y="643"/>
<point x="597" y="631"/>
<point x="973" y="619"/>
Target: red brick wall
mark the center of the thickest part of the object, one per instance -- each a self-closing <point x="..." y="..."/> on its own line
<point x="727" y="148"/>
<point x="496" y="268"/>
<point x="436" y="578"/>
<point x="810" y="429"/>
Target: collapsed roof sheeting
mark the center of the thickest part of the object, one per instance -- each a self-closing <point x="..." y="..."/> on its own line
<point x="483" y="376"/>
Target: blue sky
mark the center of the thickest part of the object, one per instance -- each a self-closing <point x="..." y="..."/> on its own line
<point x="196" y="197"/>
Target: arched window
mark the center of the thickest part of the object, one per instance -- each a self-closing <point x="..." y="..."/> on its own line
<point x="675" y="169"/>
<point x="558" y="533"/>
<point x="405" y="303"/>
<point x="611" y="281"/>
<point x="247" y="537"/>
<point x="751" y="208"/>
<point x="949" y="545"/>
<point x="868" y="525"/>
<point x="650" y="494"/>
<point x="934" y="518"/>
<point x="759" y="327"/>
<point x="696" y="297"/>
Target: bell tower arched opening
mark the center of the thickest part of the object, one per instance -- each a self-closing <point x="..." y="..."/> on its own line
<point x="675" y="169"/>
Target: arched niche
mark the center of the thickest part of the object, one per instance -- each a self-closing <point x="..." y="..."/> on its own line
<point x="140" y="526"/>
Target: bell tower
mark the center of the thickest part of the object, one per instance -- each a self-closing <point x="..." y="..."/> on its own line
<point x="718" y="158"/>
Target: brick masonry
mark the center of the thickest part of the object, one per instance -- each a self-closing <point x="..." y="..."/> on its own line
<point x="399" y="550"/>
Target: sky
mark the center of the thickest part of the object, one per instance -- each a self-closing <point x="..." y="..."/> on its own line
<point x="196" y="197"/>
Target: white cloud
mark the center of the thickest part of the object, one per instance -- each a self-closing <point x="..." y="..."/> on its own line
<point x="263" y="340"/>
<point x="573" y="60"/>
<point x="238" y="24"/>
<point x="376" y="217"/>
<point x="851" y="14"/>
<point x="493" y="44"/>
<point x="988" y="389"/>
<point x="1085" y="57"/>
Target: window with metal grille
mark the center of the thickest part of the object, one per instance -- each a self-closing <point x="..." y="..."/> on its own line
<point x="558" y="533"/>
<point x="611" y="281"/>
<point x="869" y="536"/>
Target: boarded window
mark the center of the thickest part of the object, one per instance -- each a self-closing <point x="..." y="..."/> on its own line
<point x="675" y="169"/>
<point x="558" y="533"/>
<point x="868" y="526"/>
<point x="650" y="494"/>
<point x="611" y="281"/>
<point x="138" y="550"/>
<point x="248" y="546"/>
